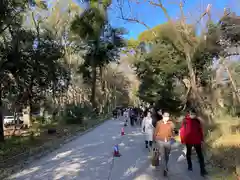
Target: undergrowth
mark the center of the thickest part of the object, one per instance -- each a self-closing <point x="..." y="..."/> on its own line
<point x="223" y="148"/>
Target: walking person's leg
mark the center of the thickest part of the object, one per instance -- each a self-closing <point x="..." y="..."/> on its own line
<point x="150" y="144"/>
<point x="146" y="143"/>
<point x="188" y="156"/>
<point x="163" y="155"/>
<point x="167" y="149"/>
<point x="160" y="147"/>
<point x="131" y="121"/>
<point x="199" y="152"/>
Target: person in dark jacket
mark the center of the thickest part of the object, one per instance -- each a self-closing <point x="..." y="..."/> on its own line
<point x="114" y="112"/>
<point x="191" y="134"/>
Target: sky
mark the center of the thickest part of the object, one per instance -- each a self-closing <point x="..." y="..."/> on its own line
<point x="153" y="16"/>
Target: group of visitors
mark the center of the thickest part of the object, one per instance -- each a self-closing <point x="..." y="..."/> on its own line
<point x="159" y="131"/>
<point x="117" y="112"/>
<point x="133" y="115"/>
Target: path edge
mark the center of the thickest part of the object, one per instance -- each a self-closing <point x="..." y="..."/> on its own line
<point x="50" y="148"/>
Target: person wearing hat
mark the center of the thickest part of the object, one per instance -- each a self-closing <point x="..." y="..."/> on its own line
<point x="191" y="134"/>
<point x="163" y="135"/>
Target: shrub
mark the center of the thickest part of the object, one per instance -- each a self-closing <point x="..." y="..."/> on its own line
<point x="76" y="114"/>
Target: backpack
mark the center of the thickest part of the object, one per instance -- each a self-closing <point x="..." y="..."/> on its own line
<point x="184" y="131"/>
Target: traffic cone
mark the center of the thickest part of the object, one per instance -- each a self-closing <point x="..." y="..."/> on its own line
<point x="116" y="152"/>
<point x="122" y="132"/>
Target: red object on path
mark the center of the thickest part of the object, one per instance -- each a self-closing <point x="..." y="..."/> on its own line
<point x="116" y="152"/>
<point x="122" y="132"/>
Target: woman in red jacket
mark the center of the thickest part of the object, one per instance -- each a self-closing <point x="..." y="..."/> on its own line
<point x="192" y="135"/>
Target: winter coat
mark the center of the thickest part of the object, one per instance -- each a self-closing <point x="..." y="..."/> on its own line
<point x="191" y="131"/>
<point x="164" y="131"/>
<point x="148" y="128"/>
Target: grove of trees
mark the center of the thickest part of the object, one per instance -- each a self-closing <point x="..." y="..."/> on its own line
<point x="178" y="67"/>
<point x="67" y="61"/>
<point x="57" y="58"/>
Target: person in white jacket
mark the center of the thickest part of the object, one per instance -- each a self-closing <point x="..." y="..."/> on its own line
<point x="148" y="128"/>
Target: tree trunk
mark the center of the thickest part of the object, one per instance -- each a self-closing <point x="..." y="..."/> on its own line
<point x="197" y="100"/>
<point x="94" y="84"/>
<point x="30" y="105"/>
<point x="1" y="119"/>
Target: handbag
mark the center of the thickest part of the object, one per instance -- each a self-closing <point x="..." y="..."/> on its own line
<point x="155" y="157"/>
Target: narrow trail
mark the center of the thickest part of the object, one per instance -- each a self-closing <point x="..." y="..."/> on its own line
<point x="89" y="157"/>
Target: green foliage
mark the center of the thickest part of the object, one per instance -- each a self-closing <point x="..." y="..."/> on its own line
<point x="40" y="120"/>
<point x="75" y="114"/>
<point x="162" y="70"/>
<point x="132" y="43"/>
<point x="89" y="25"/>
<point x="229" y="28"/>
<point x="158" y="71"/>
<point x="102" y="43"/>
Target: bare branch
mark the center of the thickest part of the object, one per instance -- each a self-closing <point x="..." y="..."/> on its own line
<point x="132" y="19"/>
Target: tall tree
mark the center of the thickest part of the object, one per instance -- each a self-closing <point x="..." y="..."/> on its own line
<point x="102" y="42"/>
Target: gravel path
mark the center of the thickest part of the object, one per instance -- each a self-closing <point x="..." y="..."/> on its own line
<point x="89" y="157"/>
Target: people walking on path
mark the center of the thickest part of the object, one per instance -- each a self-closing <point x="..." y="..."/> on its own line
<point x="115" y="113"/>
<point x="119" y="112"/>
<point x="163" y="134"/>
<point x="125" y="115"/>
<point x="133" y="116"/>
<point x="148" y="128"/>
<point x="191" y="134"/>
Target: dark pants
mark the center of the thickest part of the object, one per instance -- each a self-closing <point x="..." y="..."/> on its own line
<point x="148" y="143"/>
<point x="198" y="149"/>
<point x="132" y="121"/>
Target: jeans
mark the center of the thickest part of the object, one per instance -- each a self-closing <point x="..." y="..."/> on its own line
<point x="198" y="149"/>
<point x="164" y="150"/>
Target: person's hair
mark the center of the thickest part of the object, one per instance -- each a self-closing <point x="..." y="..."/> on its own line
<point x="193" y="111"/>
<point x="145" y="113"/>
